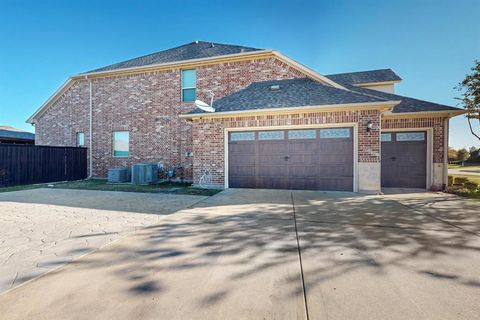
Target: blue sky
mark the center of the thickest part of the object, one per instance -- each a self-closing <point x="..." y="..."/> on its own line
<point x="430" y="44"/>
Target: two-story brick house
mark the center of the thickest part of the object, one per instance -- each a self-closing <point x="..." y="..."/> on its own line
<point x="277" y="123"/>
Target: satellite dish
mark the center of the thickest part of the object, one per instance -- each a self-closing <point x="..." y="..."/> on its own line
<point x="204" y="106"/>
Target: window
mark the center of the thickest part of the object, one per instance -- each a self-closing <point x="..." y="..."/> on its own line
<point x="386" y="137"/>
<point x="120" y="143"/>
<point x="271" y="135"/>
<point x="302" y="134"/>
<point x="411" y="136"/>
<point x="335" y="133"/>
<point x="80" y="139"/>
<point x="242" y="136"/>
<point x="189" y="84"/>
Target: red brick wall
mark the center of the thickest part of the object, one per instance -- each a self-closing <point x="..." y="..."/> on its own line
<point x="209" y="136"/>
<point x="437" y="123"/>
<point x="148" y="106"/>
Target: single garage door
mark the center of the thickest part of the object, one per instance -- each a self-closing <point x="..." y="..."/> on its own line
<point x="306" y="159"/>
<point x="404" y="157"/>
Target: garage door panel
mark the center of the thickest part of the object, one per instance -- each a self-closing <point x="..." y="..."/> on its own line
<point x="335" y="171"/>
<point x="242" y="159"/>
<point x="247" y="171"/>
<point x="335" y="184"/>
<point x="272" y="148"/>
<point x="241" y="182"/>
<point x="334" y="159"/>
<point x="272" y="183"/>
<point x="303" y="159"/>
<point x="303" y="183"/>
<point x="271" y="160"/>
<point x="301" y="171"/>
<point x="337" y="148"/>
<point x="273" y="171"/>
<point x="302" y="146"/>
<point x="242" y="147"/>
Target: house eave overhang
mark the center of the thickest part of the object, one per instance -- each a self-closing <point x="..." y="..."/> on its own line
<point x="259" y="54"/>
<point x="379" y="83"/>
<point x="420" y="114"/>
<point x="383" y="106"/>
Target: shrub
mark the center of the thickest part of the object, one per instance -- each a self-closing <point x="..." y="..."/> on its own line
<point x="450" y="180"/>
<point x="470" y="185"/>
<point x="460" y="180"/>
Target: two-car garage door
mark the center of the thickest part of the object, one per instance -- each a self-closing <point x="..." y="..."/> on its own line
<point x="310" y="159"/>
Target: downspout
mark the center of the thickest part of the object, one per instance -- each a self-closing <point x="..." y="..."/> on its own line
<point x="445" y="151"/>
<point x="90" y="133"/>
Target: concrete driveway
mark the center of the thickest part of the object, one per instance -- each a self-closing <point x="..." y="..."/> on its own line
<point x="263" y="254"/>
<point x="43" y="229"/>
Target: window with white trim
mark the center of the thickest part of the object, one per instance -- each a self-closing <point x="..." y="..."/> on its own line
<point x="189" y="85"/>
<point x="121" y="141"/>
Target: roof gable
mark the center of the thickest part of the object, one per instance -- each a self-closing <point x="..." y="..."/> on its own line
<point x="189" y="51"/>
<point x="371" y="76"/>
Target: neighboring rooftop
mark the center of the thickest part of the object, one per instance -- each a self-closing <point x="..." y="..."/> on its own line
<point x="8" y="132"/>
<point x="372" y="76"/>
<point x="190" y="51"/>
<point x="287" y="93"/>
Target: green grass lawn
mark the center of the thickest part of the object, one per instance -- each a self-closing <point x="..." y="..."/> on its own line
<point x="454" y="166"/>
<point x="102" y="185"/>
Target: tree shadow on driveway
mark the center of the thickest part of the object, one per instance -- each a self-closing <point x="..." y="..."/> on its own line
<point x="235" y="255"/>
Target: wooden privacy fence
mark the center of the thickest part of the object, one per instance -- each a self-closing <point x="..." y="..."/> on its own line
<point x="28" y="164"/>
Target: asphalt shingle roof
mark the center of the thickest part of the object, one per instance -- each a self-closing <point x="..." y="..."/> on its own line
<point x="13" y="133"/>
<point x="307" y="92"/>
<point x="292" y="93"/>
<point x="193" y="50"/>
<point x="365" y="76"/>
<point x="407" y="105"/>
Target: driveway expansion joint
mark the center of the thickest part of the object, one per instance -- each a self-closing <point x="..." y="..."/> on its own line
<point x="304" y="289"/>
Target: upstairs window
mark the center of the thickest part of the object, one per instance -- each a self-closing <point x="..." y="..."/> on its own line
<point x="189" y="84"/>
<point x="120" y="143"/>
<point x="80" y="139"/>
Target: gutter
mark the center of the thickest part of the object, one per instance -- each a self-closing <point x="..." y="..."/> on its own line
<point x="438" y="113"/>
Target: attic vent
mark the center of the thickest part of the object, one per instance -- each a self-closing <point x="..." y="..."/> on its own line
<point x="274" y="87"/>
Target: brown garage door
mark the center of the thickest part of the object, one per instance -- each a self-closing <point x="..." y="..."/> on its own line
<point x="311" y="159"/>
<point x="404" y="156"/>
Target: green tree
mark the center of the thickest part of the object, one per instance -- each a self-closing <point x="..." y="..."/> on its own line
<point x="452" y="154"/>
<point x="463" y="154"/>
<point x="470" y="99"/>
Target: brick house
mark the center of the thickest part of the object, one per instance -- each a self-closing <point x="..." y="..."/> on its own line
<point x="277" y="123"/>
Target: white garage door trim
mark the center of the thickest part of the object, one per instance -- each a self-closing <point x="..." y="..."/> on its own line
<point x="352" y="125"/>
<point x="429" y="164"/>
